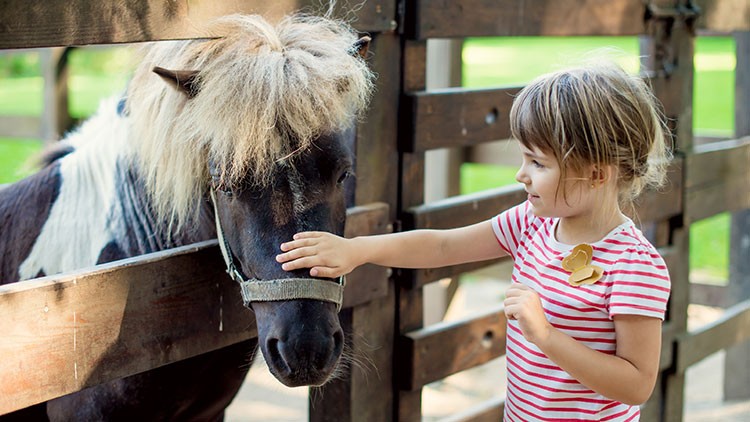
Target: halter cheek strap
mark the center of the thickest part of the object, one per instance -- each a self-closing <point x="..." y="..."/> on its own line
<point x="255" y="290"/>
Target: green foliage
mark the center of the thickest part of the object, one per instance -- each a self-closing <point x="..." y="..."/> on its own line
<point x="14" y="158"/>
<point x="16" y="64"/>
<point x="709" y="248"/>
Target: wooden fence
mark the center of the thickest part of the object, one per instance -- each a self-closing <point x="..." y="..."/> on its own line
<point x="384" y="310"/>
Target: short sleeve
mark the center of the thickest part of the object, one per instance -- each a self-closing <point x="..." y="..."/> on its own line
<point x="509" y="227"/>
<point x="640" y="283"/>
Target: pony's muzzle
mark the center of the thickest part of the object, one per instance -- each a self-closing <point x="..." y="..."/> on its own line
<point x="305" y="353"/>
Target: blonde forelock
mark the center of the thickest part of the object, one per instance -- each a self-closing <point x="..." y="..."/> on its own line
<point x="265" y="92"/>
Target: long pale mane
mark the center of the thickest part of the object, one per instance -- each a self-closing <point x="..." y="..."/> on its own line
<point x="265" y="92"/>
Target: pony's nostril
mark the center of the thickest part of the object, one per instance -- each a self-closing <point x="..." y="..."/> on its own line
<point x="274" y="354"/>
<point x="338" y="346"/>
<point x="338" y="343"/>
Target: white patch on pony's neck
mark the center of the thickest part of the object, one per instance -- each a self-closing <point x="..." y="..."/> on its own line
<point x="77" y="229"/>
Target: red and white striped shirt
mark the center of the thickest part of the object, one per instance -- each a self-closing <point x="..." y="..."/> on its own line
<point x="635" y="281"/>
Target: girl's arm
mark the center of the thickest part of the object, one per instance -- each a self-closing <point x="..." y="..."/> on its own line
<point x="328" y="255"/>
<point x="628" y="376"/>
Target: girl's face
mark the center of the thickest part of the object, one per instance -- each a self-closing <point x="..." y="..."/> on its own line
<point x="540" y="174"/>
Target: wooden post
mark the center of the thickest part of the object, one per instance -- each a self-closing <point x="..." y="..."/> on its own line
<point x="411" y="193"/>
<point x="736" y="369"/>
<point x="55" y="116"/>
<point x="668" y="49"/>
<point x="443" y="166"/>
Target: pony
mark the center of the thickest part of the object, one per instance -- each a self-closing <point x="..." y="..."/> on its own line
<point x="244" y="136"/>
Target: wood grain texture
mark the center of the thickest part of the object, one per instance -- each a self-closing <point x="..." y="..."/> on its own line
<point x="732" y="328"/>
<point x="64" y="333"/>
<point x="665" y="202"/>
<point x="458" y="117"/>
<point x="463" y="210"/>
<point x="724" y="15"/>
<point x="470" y="18"/>
<point x="717" y="179"/>
<point x="44" y="23"/>
<point x="447" y="348"/>
<point x="368" y="281"/>
<point x="376" y="154"/>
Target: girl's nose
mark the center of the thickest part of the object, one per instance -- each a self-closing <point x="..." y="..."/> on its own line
<point x="521" y="176"/>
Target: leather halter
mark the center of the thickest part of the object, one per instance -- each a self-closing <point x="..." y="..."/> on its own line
<point x="256" y="290"/>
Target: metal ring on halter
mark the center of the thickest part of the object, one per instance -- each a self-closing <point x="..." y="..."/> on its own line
<point x="255" y="290"/>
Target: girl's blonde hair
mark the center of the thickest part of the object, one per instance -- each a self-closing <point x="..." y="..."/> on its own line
<point x="598" y="115"/>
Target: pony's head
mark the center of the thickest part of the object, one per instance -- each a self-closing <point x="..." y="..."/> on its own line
<point x="258" y="119"/>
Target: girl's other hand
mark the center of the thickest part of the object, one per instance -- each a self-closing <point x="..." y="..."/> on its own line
<point x="326" y="254"/>
<point x="522" y="304"/>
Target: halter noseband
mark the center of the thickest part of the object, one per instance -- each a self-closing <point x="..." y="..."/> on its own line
<point x="255" y="290"/>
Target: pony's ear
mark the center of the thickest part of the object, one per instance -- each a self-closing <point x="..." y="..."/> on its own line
<point x="184" y="80"/>
<point x="360" y="47"/>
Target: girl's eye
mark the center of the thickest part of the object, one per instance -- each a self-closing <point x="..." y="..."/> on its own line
<point x="537" y="164"/>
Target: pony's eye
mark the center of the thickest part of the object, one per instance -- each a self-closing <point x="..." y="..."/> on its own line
<point x="345" y="175"/>
<point x="218" y="186"/>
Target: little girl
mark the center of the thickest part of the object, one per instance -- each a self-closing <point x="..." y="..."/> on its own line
<point x="589" y="292"/>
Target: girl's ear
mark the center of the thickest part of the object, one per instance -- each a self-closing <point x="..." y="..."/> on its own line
<point x="601" y="175"/>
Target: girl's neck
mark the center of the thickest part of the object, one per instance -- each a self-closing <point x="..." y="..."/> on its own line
<point x="590" y="227"/>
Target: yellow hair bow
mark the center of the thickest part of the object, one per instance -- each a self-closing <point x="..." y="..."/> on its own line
<point x="579" y="264"/>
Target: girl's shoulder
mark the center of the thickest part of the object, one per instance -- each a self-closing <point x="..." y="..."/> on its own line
<point x="627" y="246"/>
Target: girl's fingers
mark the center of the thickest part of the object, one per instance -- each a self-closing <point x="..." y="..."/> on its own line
<point x="305" y="262"/>
<point x="306" y="235"/>
<point x="324" y="272"/>
<point x="298" y="243"/>
<point x="296" y="254"/>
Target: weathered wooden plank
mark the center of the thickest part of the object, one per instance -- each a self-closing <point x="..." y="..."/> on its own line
<point x="469" y="18"/>
<point x="376" y="153"/>
<point x="724" y="15"/>
<point x="56" y="119"/>
<point x="64" y="333"/>
<point x="710" y="295"/>
<point x="414" y="69"/>
<point x="668" y="334"/>
<point x="45" y="23"/>
<point x="443" y="349"/>
<point x="487" y="411"/>
<point x="20" y="127"/>
<point x="462" y="210"/>
<point x="368" y="281"/>
<point x="732" y="328"/>
<point x="717" y="179"/>
<point x="411" y="279"/>
<point x="458" y="117"/>
<point x="664" y="202"/>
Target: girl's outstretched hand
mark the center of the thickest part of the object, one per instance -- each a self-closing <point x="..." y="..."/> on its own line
<point x="326" y="254"/>
<point x="523" y="305"/>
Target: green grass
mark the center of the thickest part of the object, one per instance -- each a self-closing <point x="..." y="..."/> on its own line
<point x="14" y="156"/>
